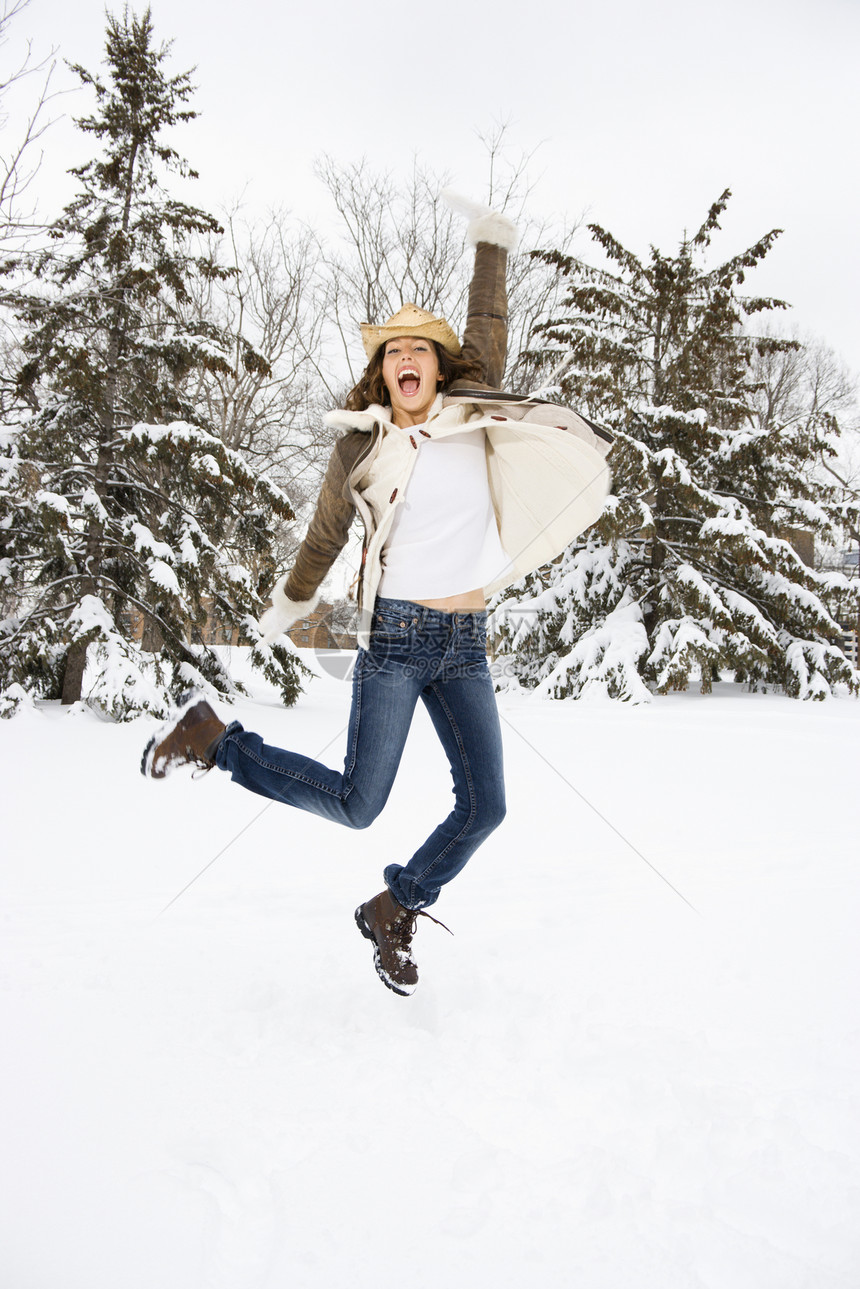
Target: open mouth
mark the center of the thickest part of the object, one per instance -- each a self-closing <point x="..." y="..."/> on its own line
<point x="408" y="381"/>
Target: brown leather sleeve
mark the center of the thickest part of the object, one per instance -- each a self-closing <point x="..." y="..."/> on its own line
<point x="329" y="529"/>
<point x="485" y="340"/>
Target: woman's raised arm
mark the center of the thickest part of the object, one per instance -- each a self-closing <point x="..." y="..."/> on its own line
<point x="485" y="339"/>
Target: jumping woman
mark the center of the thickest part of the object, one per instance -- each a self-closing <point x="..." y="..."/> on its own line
<point x="461" y="490"/>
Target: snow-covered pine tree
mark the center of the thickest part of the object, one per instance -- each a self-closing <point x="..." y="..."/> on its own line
<point x="119" y="505"/>
<point x="691" y="568"/>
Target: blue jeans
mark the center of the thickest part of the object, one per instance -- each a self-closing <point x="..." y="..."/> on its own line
<point x="414" y="653"/>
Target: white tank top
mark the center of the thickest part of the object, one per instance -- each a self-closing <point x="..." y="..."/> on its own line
<point x="444" y="539"/>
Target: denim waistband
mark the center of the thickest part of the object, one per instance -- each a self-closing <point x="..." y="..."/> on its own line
<point x="425" y="616"/>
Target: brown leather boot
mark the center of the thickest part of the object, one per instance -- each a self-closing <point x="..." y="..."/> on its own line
<point x="190" y="737"/>
<point x="390" y="926"/>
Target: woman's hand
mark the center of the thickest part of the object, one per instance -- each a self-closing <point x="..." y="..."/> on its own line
<point x="485" y="225"/>
<point x="284" y="612"/>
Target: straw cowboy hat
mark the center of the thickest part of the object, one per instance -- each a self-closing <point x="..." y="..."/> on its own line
<point x="409" y="321"/>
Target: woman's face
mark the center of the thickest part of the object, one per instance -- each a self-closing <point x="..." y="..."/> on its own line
<point x="410" y="370"/>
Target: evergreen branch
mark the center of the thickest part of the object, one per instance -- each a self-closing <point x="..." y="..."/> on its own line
<point x="702" y="238"/>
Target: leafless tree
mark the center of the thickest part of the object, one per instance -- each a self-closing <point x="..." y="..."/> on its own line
<point x="810" y="386"/>
<point x="402" y="243"/>
<point x="275" y="302"/>
<point x="20" y="161"/>
<point x="804" y="383"/>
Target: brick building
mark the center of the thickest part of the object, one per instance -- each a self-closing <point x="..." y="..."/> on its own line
<point x="317" y="631"/>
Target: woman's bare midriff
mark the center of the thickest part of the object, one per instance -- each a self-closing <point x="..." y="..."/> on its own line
<point x="468" y="602"/>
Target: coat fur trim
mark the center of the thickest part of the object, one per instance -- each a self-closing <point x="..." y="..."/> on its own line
<point x="341" y="419"/>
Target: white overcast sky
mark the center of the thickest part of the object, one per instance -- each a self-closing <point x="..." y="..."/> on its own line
<point x="639" y="114"/>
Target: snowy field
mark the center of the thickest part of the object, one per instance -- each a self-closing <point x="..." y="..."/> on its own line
<point x="596" y="1085"/>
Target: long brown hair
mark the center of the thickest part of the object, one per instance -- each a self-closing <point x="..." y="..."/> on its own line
<point x="370" y="387"/>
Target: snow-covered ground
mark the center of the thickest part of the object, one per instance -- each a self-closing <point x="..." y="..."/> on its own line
<point x="595" y="1085"/>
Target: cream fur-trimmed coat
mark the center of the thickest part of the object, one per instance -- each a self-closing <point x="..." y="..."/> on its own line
<point x="546" y="467"/>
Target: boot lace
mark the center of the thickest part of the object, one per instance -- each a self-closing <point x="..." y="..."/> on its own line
<point x="203" y="765"/>
<point x="421" y="914"/>
<point x="403" y="928"/>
